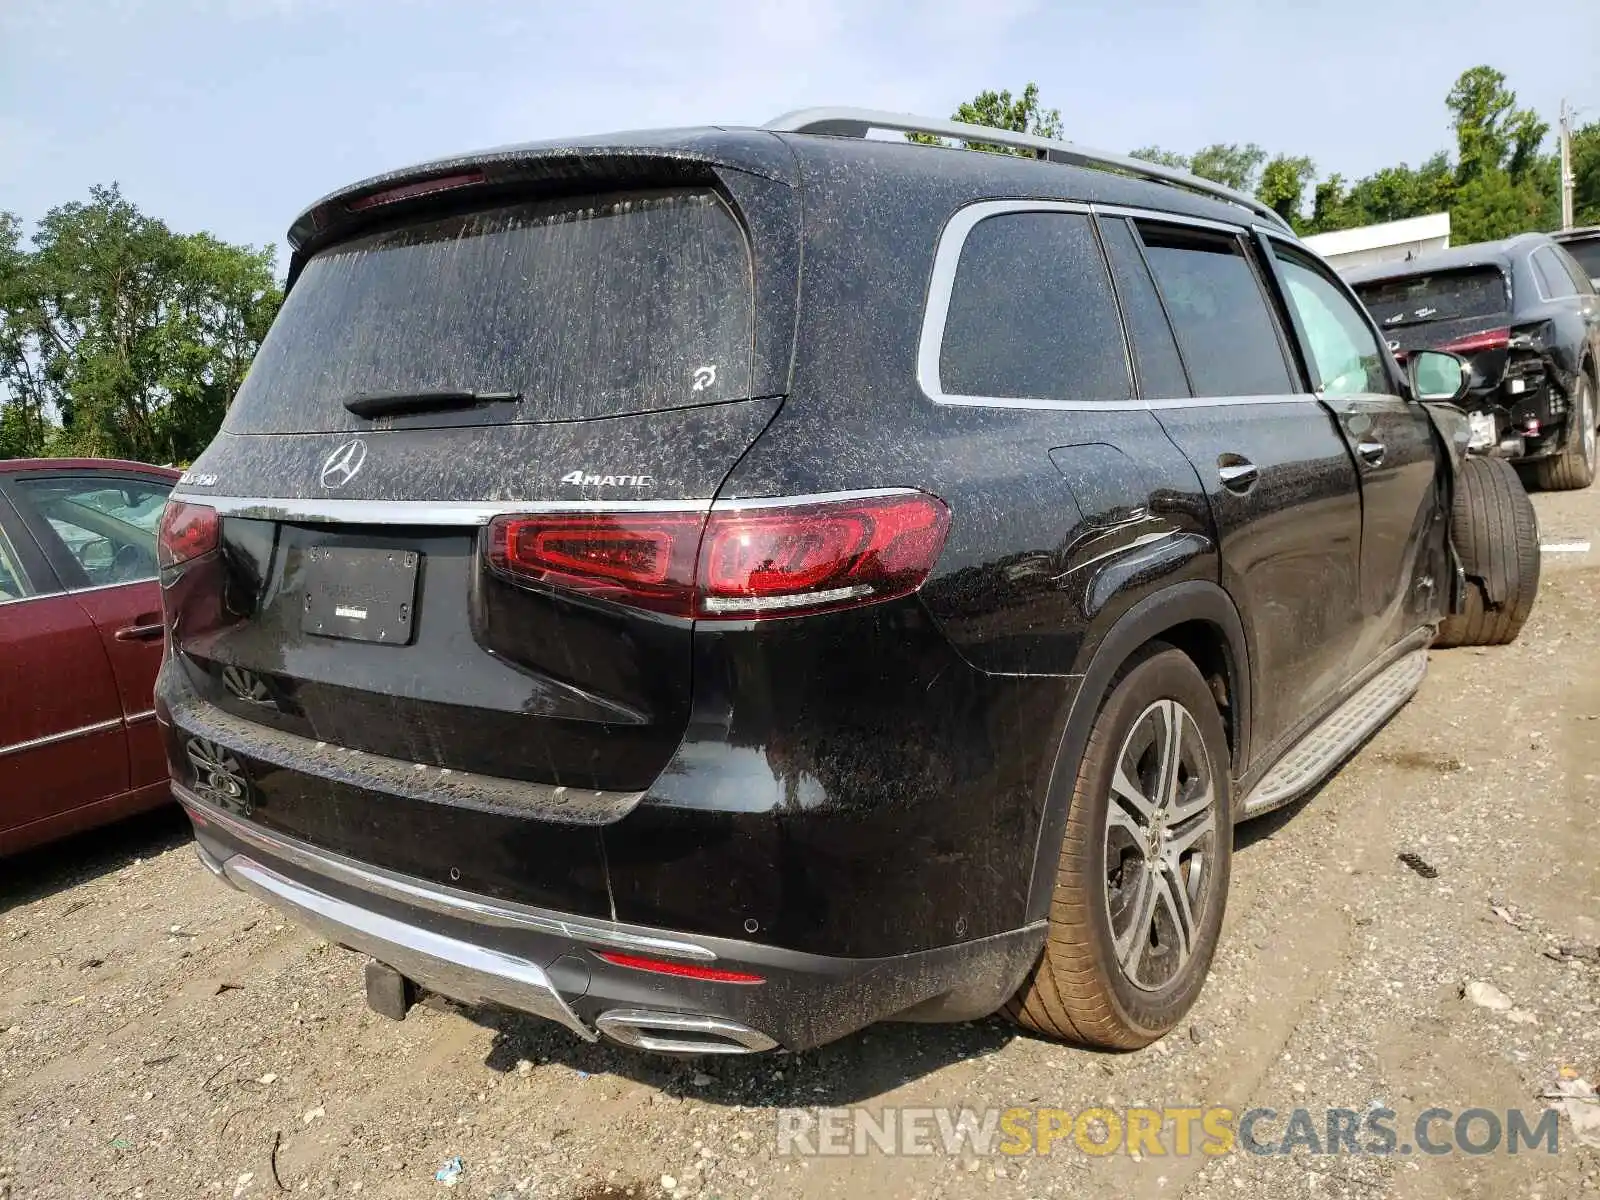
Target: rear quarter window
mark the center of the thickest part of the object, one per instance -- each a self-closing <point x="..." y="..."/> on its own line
<point x="1032" y="315"/>
<point x="585" y="308"/>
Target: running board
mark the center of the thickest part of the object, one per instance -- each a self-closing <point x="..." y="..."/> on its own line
<point x="1314" y="755"/>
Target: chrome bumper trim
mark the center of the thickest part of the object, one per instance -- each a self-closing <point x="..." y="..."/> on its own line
<point x="449" y="902"/>
<point x="441" y="964"/>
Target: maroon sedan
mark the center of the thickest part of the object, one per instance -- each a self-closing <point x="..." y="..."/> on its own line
<point x="80" y="644"/>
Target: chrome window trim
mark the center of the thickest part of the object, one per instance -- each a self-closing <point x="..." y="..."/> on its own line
<point x="98" y="587"/>
<point x="941" y="283"/>
<point x="65" y="735"/>
<point x="1168" y="218"/>
<point x="417" y="512"/>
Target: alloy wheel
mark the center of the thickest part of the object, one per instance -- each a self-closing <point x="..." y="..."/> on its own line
<point x="1160" y="844"/>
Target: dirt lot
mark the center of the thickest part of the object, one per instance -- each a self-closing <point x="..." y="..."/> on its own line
<point x="163" y="1036"/>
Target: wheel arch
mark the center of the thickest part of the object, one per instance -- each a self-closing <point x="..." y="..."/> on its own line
<point x="1197" y="617"/>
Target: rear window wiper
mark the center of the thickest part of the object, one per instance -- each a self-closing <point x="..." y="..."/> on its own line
<point x="390" y="404"/>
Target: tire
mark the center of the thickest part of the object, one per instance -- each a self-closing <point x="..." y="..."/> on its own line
<point x="1574" y="468"/>
<point x="1079" y="990"/>
<point x="1496" y="535"/>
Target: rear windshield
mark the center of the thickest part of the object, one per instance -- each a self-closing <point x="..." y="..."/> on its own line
<point x="590" y="308"/>
<point x="1587" y="252"/>
<point x="1438" y="296"/>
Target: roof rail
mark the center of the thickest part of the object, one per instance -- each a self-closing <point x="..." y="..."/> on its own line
<point x="857" y="122"/>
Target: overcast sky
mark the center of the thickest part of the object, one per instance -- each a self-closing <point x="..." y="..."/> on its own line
<point x="232" y="115"/>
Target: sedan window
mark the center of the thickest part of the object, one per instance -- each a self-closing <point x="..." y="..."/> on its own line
<point x="107" y="525"/>
<point x="13" y="583"/>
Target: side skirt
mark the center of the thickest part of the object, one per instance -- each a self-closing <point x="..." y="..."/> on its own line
<point x="1331" y="740"/>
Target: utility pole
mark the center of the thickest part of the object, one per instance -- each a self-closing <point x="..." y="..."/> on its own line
<point x="1565" y="138"/>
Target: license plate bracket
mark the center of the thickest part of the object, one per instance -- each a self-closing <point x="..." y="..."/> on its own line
<point x="361" y="594"/>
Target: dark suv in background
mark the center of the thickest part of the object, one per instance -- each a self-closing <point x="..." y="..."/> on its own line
<point x="720" y="588"/>
<point x="1526" y="316"/>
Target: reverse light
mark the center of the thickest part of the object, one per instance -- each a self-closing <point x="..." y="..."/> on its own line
<point x="771" y="559"/>
<point x="186" y="531"/>
<point x="1488" y="339"/>
<point x="682" y="970"/>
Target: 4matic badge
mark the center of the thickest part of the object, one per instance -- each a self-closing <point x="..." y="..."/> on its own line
<point x="592" y="479"/>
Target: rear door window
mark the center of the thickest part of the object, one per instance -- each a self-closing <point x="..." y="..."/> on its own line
<point x="1553" y="280"/>
<point x="1032" y="315"/>
<point x="1219" y="314"/>
<point x="581" y="308"/>
<point x="1580" y="281"/>
<point x="1436" y="296"/>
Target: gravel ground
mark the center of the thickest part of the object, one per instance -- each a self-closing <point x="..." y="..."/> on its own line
<point x="163" y="1036"/>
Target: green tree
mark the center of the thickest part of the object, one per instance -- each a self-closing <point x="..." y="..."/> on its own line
<point x="1000" y="110"/>
<point x="1586" y="174"/>
<point x="1167" y="158"/>
<point x="1283" y="186"/>
<point x="119" y="336"/>
<point x="1229" y="163"/>
<point x="1492" y="133"/>
<point x="1493" y="205"/>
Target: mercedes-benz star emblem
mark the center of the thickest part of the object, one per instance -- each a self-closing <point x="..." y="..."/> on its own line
<point x="340" y="467"/>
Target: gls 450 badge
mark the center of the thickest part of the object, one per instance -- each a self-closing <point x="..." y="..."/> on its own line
<point x="590" y="479"/>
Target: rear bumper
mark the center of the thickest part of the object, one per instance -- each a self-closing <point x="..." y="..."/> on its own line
<point x="479" y="950"/>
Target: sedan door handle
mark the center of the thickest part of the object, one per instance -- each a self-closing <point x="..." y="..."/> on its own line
<point x="1237" y="474"/>
<point x="1371" y="453"/>
<point x="138" y="633"/>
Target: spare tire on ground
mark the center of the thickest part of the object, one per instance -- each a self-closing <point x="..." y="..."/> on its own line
<point x="1496" y="535"/>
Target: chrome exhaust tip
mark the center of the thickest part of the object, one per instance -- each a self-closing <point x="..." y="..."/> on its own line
<point x="680" y="1033"/>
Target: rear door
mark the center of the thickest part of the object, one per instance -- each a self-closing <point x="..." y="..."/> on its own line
<point x="62" y="742"/>
<point x="1390" y="436"/>
<point x="99" y="530"/>
<point x="1281" y="482"/>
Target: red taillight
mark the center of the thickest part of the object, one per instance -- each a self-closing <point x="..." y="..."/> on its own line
<point x="187" y="531"/>
<point x="767" y="560"/>
<point x="1489" y="339"/>
<point x="410" y="191"/>
<point x="642" y="559"/>
<point x="789" y="559"/>
<point x="682" y="970"/>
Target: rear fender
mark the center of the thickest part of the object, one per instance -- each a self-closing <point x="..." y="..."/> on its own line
<point x="1194" y="600"/>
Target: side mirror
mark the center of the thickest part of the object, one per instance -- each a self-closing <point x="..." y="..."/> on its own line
<point x="1437" y="376"/>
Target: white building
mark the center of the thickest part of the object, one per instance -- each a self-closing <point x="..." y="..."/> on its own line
<point x="1387" y="242"/>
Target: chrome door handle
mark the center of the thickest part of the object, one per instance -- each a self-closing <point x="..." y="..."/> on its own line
<point x="1371" y="453"/>
<point x="1238" y="476"/>
<point x="138" y="633"/>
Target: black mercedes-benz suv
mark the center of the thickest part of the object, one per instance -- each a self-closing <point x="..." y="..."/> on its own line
<point x="1524" y="314"/>
<point x="720" y="588"/>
